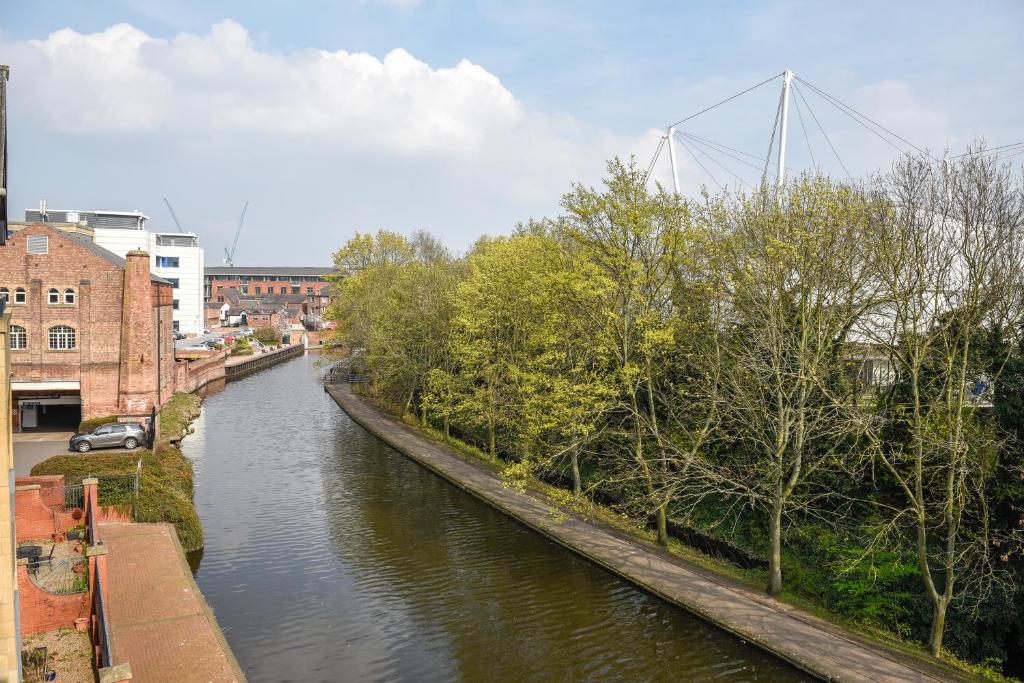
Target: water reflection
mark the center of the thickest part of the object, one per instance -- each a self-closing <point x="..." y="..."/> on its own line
<point x="330" y="557"/>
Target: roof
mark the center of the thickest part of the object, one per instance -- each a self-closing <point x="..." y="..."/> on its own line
<point x="268" y="270"/>
<point x="86" y="242"/>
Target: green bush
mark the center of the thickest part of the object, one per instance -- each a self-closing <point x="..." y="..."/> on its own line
<point x="267" y="335"/>
<point x="165" y="482"/>
<point x="87" y="426"/>
<point x="242" y="347"/>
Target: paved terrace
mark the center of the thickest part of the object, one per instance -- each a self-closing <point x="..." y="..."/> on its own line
<point x="159" y="622"/>
<point x="811" y="644"/>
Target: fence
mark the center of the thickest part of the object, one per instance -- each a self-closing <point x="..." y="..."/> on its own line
<point x="60" y="575"/>
<point x="74" y="496"/>
<point x="257" y="363"/>
<point x="102" y="635"/>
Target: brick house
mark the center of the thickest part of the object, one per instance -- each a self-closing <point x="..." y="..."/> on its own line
<point x="91" y="333"/>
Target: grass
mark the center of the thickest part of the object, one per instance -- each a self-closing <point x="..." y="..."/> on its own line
<point x="165" y="480"/>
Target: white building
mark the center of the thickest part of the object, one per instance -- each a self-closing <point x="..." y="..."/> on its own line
<point x="176" y="256"/>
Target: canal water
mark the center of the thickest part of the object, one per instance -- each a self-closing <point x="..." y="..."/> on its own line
<point x="331" y="557"/>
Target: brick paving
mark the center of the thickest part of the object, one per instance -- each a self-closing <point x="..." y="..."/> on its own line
<point x="160" y="623"/>
<point x="816" y="646"/>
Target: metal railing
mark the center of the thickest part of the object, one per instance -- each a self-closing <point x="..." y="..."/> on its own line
<point x="60" y="575"/>
<point x="74" y="496"/>
<point x="102" y="636"/>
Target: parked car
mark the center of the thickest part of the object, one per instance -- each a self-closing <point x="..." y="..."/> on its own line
<point x="116" y="435"/>
<point x="178" y="335"/>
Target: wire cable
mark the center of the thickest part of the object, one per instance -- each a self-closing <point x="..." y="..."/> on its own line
<point x="723" y="166"/>
<point x="807" y="139"/>
<point x="697" y="140"/>
<point x="771" y="143"/>
<point x="728" y="99"/>
<point x="710" y="175"/>
<point x="654" y="159"/>
<point x="853" y="113"/>
<point x="824" y="134"/>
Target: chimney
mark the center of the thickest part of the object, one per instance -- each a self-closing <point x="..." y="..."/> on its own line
<point x="137" y="391"/>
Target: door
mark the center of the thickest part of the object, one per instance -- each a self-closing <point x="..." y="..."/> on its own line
<point x="29" y="415"/>
<point x="103" y="436"/>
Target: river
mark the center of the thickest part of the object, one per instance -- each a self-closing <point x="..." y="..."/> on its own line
<point x="331" y="557"/>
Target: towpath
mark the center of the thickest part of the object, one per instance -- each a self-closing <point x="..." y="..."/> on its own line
<point x="159" y="621"/>
<point x="816" y="646"/>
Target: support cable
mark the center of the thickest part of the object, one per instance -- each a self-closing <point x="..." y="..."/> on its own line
<point x="728" y="99"/>
<point x="807" y="139"/>
<point x="856" y="116"/>
<point x="723" y="166"/>
<point x="710" y="175"/>
<point x="820" y="128"/>
<point x="715" y="147"/>
<point x="771" y="144"/>
<point x="654" y="159"/>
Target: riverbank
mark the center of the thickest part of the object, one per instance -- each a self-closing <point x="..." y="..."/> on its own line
<point x="818" y="647"/>
<point x="165" y="492"/>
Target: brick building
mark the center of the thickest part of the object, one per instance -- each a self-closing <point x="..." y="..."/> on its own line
<point x="91" y="333"/>
<point x="253" y="281"/>
<point x="271" y="310"/>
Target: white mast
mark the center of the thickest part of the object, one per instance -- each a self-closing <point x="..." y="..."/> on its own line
<point x="672" y="158"/>
<point x="787" y="76"/>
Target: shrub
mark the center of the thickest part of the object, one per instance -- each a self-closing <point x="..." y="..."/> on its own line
<point x="86" y="426"/>
<point x="242" y="347"/>
<point x="267" y="335"/>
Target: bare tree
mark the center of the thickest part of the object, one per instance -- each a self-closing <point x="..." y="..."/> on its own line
<point x="949" y="262"/>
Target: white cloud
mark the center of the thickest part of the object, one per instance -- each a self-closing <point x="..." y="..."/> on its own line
<point x="122" y="79"/>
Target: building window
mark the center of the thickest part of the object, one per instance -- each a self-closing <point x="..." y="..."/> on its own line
<point x="4" y="294"/>
<point x="220" y="288"/>
<point x="53" y="296"/>
<point x="256" y="290"/>
<point x="220" y="299"/>
<point x="175" y="304"/>
<point x="309" y="290"/>
<point x="61" y="338"/>
<point x="19" y="337"/>
<point x="69" y="296"/>
<point x="245" y="289"/>
<point x="296" y="289"/>
<point x="176" y="325"/>
<point x="19" y="295"/>
<point x="166" y="261"/>
<point x="174" y="282"/>
<point x="270" y="290"/>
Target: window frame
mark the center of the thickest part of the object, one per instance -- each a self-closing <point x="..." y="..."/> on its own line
<point x="61" y="337"/>
<point x="53" y="296"/>
<point x="69" y="296"/>
<point x="18" y="334"/>
<point x="20" y="292"/>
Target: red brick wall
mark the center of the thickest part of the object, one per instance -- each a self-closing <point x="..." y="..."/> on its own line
<point x="34" y="519"/>
<point x="195" y="373"/>
<point x="42" y="611"/>
<point x="96" y="317"/>
<point x="265" y="286"/>
<point x="51" y="488"/>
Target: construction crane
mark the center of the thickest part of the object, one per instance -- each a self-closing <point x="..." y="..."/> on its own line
<point x="173" y="215"/>
<point x="229" y="256"/>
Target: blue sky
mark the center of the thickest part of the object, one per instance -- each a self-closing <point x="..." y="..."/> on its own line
<point x="461" y="117"/>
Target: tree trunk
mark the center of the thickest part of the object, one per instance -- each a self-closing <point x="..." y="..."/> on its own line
<point x="938" y="627"/>
<point x="577" y="486"/>
<point x="423" y="415"/>
<point x="775" y="550"/>
<point x="447" y="428"/>
<point x="490" y="437"/>
<point x="662" y="527"/>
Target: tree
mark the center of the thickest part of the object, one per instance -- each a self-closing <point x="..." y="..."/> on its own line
<point x="949" y="261"/>
<point x="793" y="277"/>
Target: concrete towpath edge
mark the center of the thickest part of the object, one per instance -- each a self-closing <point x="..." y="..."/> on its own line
<point x="816" y="647"/>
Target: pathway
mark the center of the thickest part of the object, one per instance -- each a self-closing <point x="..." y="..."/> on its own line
<point x="159" y="621"/>
<point x="809" y="643"/>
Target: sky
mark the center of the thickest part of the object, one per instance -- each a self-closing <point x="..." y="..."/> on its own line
<point x="464" y="118"/>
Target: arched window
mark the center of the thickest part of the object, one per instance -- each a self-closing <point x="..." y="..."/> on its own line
<point x="61" y="338"/>
<point x="19" y="295"/>
<point x="19" y="337"/>
<point x="4" y="294"/>
<point x="69" y="296"/>
<point x="52" y="296"/>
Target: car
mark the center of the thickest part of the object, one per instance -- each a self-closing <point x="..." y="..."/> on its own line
<point x="228" y="339"/>
<point x="116" y="435"/>
<point x="178" y="335"/>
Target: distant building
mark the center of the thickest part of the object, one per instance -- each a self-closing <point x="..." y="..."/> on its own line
<point x="269" y="310"/>
<point x="254" y="281"/>
<point x="176" y="256"/>
<point x="90" y="332"/>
